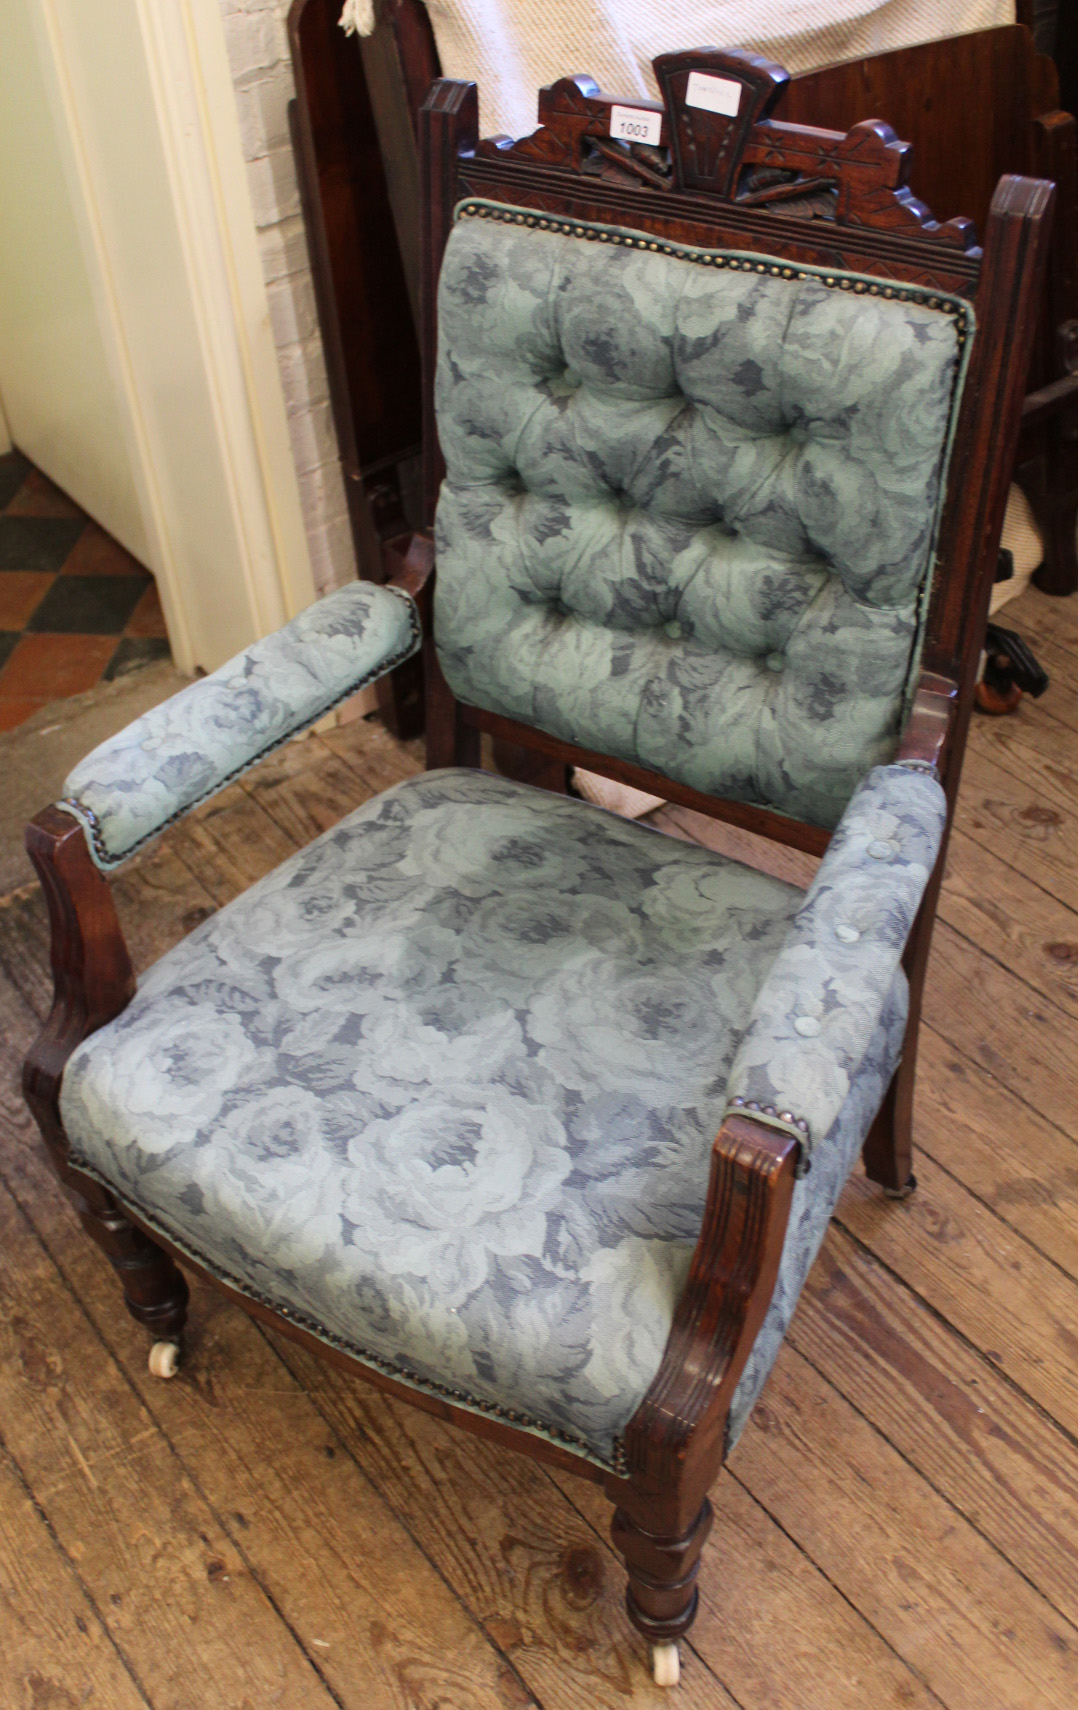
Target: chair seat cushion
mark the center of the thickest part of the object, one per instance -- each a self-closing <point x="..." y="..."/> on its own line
<point x="444" y="1085"/>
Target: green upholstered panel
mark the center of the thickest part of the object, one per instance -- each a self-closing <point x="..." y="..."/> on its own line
<point x="690" y="502"/>
<point x="131" y="786"/>
<point x="445" y="1084"/>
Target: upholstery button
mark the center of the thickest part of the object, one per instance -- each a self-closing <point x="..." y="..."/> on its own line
<point x="882" y="849"/>
<point x="674" y="631"/>
<point x="846" y="934"/>
<point x="807" y="1026"/>
<point x="776" y="662"/>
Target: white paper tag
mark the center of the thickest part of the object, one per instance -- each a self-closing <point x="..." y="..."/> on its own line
<point x="636" y="124"/>
<point x="714" y="94"/>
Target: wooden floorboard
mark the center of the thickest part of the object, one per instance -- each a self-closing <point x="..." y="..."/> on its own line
<point x="898" y="1526"/>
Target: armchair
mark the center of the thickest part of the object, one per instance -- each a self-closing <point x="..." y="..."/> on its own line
<point x="531" y="1115"/>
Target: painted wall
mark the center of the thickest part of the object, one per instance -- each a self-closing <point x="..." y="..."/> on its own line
<point x="60" y="396"/>
<point x="256" y="41"/>
<point x="135" y="157"/>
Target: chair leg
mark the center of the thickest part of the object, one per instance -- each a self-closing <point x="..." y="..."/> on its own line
<point x="888" y="1147"/>
<point x="155" y="1291"/>
<point x="662" y="1596"/>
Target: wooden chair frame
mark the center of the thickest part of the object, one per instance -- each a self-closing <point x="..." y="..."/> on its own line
<point x="675" y="1443"/>
<point x="970" y="105"/>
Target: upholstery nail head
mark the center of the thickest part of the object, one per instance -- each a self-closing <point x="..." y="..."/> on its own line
<point x="882" y="849"/>
<point x="807" y="1026"/>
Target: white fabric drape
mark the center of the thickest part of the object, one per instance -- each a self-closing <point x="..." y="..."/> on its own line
<point x="513" y="47"/>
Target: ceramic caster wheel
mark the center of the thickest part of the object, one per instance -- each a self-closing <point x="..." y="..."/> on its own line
<point x="665" y="1665"/>
<point x="164" y="1359"/>
<point x="901" y="1192"/>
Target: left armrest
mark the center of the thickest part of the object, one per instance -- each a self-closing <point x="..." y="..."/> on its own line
<point x="132" y="786"/>
<point x="821" y="1002"/>
<point x="408" y="564"/>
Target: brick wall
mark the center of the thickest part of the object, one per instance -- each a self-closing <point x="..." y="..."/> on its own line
<point x="257" y="43"/>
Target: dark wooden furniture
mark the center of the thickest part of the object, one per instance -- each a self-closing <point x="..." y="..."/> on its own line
<point x="974" y="107"/>
<point x="358" y="188"/>
<point x="742" y="184"/>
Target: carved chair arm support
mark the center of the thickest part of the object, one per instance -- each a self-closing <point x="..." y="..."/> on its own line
<point x="817" y="1011"/>
<point x="408" y="561"/>
<point x="931" y="722"/>
<point x="179" y="753"/>
<point x="93" y="979"/>
<point x="724" y="1303"/>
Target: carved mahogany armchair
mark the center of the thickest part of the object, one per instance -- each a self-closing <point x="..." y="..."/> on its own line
<point x="531" y="1115"/>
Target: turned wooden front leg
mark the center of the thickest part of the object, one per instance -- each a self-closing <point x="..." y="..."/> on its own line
<point x="662" y="1594"/>
<point x="675" y="1442"/>
<point x="155" y="1290"/>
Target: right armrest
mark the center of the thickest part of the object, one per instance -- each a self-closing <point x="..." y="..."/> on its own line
<point x="408" y="561"/>
<point x="179" y="753"/>
<point x="816" y="1013"/>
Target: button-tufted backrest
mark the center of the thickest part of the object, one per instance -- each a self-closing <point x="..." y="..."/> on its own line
<point x="690" y="501"/>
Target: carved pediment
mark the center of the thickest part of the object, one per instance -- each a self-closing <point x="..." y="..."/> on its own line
<point x="713" y="132"/>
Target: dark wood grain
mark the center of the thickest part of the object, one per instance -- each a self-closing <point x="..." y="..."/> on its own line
<point x="675" y="1441"/>
<point x="929" y="726"/>
<point x="362" y="296"/>
<point x="93" y="981"/>
<point x="975" y="107"/>
<point x="795" y="833"/>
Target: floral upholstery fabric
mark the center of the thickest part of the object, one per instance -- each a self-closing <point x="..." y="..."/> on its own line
<point x="815" y="1197"/>
<point x="821" y="1002"/>
<point x="445" y="1084"/>
<point x="690" y="501"/>
<point x="129" y="788"/>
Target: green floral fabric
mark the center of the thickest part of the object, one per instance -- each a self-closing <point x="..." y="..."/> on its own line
<point x="816" y="1195"/>
<point x="445" y="1085"/>
<point x="820" y="1005"/>
<point x="129" y="788"/>
<point x="690" y="501"/>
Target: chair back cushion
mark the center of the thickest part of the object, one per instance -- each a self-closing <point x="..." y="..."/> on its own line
<point x="691" y="499"/>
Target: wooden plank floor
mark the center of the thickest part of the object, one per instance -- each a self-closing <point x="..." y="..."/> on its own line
<point x="897" y="1528"/>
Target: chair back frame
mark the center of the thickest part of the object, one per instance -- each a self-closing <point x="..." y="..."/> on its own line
<point x="828" y="199"/>
<point x="876" y="227"/>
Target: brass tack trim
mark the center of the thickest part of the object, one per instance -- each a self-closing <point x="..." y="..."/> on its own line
<point x="954" y="307"/>
<point x="618" y="1462"/>
<point x="110" y="858"/>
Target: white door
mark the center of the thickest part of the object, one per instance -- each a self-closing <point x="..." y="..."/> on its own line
<point x="136" y="359"/>
<point x="59" y="393"/>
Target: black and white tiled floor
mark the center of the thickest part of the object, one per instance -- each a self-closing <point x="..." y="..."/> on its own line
<point x="75" y="607"/>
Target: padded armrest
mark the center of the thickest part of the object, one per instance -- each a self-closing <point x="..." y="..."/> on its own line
<point x="821" y="1002"/>
<point x="132" y="786"/>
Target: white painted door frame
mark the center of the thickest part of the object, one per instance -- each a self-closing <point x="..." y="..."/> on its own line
<point x="144" y="113"/>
